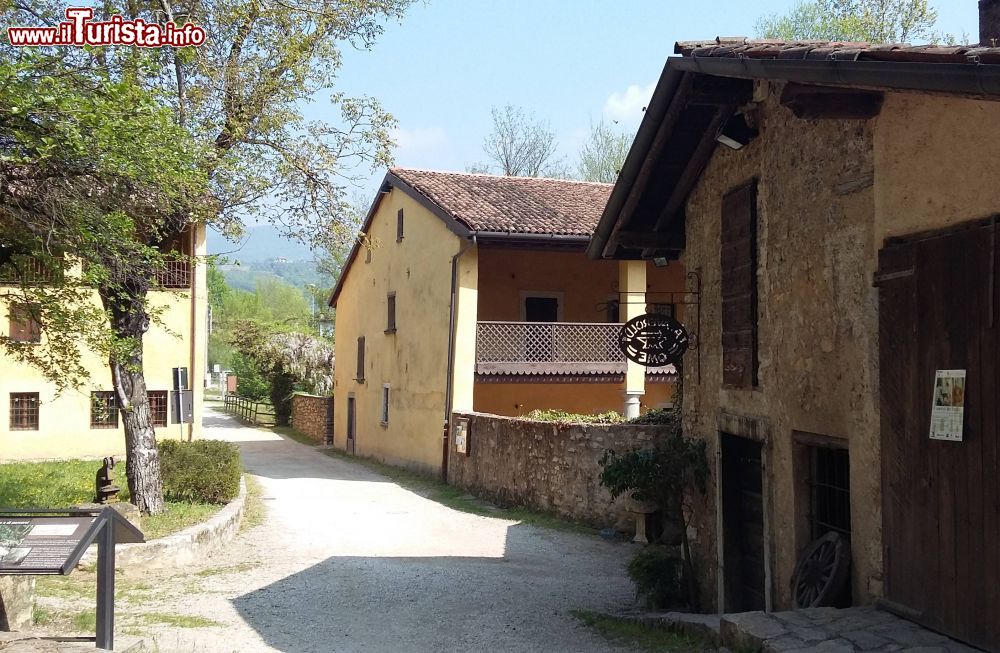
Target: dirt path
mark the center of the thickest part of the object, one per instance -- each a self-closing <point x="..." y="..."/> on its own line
<point x="346" y="560"/>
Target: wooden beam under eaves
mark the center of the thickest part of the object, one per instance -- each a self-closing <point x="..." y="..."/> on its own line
<point x="830" y="103"/>
<point x="650" y="239"/>
<point x="693" y="168"/>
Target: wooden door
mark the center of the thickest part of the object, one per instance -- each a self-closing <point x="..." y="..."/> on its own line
<point x="743" y="524"/>
<point x="939" y="304"/>
<point x="351" y="424"/>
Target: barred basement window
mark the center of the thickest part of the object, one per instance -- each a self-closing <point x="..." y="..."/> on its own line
<point x="830" y="490"/>
<point x="24" y="411"/>
<point x="103" y="410"/>
<point x="158" y="407"/>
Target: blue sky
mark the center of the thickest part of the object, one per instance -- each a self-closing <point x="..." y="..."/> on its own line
<point x="570" y="62"/>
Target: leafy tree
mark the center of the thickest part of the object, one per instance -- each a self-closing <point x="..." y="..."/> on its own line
<point x="603" y="155"/>
<point x="112" y="154"/>
<point x="872" y="21"/>
<point x="520" y="146"/>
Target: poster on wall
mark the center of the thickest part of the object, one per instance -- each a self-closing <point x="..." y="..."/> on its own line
<point x="948" y="409"/>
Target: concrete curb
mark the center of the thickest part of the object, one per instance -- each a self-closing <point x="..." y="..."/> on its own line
<point x="184" y="547"/>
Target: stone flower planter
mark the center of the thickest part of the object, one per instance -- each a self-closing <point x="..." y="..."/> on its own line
<point x="641" y="509"/>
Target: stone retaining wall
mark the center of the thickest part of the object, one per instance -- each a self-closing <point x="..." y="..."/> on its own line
<point x="546" y="466"/>
<point x="309" y="415"/>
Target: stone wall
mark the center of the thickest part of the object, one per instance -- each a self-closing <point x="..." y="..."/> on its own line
<point x="309" y="415"/>
<point x="545" y="466"/>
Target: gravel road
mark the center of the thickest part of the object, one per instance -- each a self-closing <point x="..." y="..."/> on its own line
<point x="347" y="560"/>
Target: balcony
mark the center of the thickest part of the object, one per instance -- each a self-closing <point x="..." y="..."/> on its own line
<point x="28" y="271"/>
<point x="175" y="274"/>
<point x="550" y="348"/>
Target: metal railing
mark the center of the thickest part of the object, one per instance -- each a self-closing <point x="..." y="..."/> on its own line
<point x="249" y="410"/>
<point x="548" y="342"/>
<point x="29" y="271"/>
<point x="174" y="274"/>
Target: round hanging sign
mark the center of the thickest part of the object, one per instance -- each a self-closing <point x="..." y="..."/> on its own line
<point x="653" y="340"/>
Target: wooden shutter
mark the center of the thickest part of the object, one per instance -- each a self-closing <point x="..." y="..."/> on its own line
<point x="399" y="225"/>
<point x="739" y="287"/>
<point x="23" y="325"/>
<point x="361" y="359"/>
<point x="391" y="305"/>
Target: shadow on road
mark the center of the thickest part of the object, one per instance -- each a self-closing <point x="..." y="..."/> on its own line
<point x="519" y="602"/>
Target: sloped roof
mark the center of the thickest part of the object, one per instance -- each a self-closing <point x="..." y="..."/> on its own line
<point x="516" y="205"/>
<point x="740" y="47"/>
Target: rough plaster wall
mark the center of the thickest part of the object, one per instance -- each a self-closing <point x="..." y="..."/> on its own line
<point x="816" y="321"/>
<point x="546" y="466"/>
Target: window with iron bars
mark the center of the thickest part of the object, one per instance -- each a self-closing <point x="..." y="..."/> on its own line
<point x="830" y="491"/>
<point x="158" y="407"/>
<point x="24" y="411"/>
<point x="103" y="410"/>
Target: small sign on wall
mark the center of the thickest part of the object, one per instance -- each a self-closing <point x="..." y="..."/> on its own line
<point x="462" y="436"/>
<point x="948" y="406"/>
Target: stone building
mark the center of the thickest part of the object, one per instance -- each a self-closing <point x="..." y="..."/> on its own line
<point x="838" y="203"/>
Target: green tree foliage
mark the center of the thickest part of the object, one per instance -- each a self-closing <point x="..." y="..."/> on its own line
<point x="113" y="153"/>
<point x="871" y="21"/>
<point x="603" y="155"/>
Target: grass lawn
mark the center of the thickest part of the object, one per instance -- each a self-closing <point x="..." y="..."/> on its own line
<point x="62" y="484"/>
<point x="640" y="636"/>
<point x="448" y="495"/>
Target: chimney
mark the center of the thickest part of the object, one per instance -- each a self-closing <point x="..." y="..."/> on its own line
<point x="989" y="23"/>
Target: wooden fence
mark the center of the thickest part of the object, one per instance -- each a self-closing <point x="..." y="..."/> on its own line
<point x="256" y="412"/>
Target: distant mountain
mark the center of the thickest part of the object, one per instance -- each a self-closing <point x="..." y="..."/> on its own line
<point x="300" y="274"/>
<point x="262" y="243"/>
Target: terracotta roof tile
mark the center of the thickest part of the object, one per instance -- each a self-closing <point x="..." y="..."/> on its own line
<point x="734" y="47"/>
<point x="523" y="205"/>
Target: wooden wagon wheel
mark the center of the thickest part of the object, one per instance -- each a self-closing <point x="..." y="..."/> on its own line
<point x="821" y="572"/>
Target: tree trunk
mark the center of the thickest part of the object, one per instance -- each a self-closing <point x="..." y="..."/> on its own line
<point x="129" y="322"/>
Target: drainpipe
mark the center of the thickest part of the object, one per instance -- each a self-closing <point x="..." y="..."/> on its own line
<point x="450" y="381"/>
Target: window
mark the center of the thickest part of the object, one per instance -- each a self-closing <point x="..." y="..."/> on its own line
<point x="103" y="410"/>
<point x="738" y="257"/>
<point x="360" y="377"/>
<point x="158" y="407"/>
<point x="399" y="226"/>
<point x="24" y="411"/>
<point x="830" y="492"/>
<point x="391" y="306"/>
<point x="385" y="404"/>
<point x="24" y="324"/>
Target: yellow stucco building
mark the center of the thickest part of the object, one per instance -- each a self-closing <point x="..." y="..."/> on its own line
<point x="36" y="422"/>
<point x="473" y="292"/>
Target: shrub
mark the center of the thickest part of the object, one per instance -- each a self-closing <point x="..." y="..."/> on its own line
<point x="657" y="572"/>
<point x="563" y="417"/>
<point x="206" y="471"/>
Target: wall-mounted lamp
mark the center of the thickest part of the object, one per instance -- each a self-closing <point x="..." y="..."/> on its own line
<point x="660" y="261"/>
<point x="736" y="133"/>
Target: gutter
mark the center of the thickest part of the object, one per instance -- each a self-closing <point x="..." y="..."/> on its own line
<point x="510" y="237"/>
<point x="450" y="381"/>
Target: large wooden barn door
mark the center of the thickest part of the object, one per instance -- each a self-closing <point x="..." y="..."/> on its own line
<point x="939" y="308"/>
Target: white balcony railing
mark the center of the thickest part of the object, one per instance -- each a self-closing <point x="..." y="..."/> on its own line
<point x="548" y="347"/>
